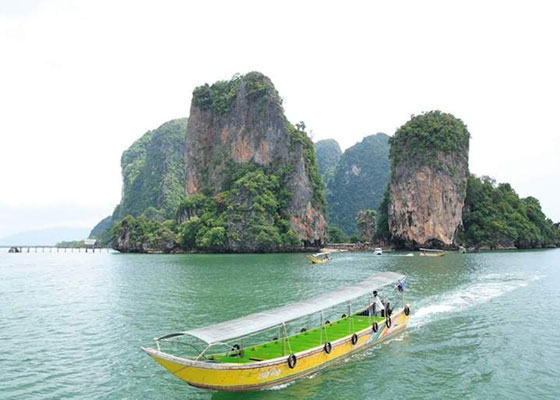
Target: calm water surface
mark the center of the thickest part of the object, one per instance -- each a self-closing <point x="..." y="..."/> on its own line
<point x="483" y="325"/>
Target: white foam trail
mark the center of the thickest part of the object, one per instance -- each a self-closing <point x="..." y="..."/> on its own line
<point x="279" y="387"/>
<point x="490" y="287"/>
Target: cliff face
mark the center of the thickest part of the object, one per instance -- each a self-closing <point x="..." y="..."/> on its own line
<point x="328" y="155"/>
<point x="238" y="133"/>
<point x="359" y="181"/>
<point x="429" y="170"/>
<point x="153" y="172"/>
<point x="101" y="230"/>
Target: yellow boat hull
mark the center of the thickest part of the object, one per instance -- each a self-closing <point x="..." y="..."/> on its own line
<point x="433" y="254"/>
<point x="262" y="374"/>
<point x="316" y="260"/>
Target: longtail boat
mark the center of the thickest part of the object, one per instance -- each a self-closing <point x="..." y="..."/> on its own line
<point x="280" y="345"/>
<point x="432" y="252"/>
<point x="319" y="258"/>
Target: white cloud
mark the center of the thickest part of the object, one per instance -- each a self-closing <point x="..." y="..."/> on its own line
<point x="80" y="81"/>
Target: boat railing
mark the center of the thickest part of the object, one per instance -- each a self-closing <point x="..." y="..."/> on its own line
<point x="213" y="335"/>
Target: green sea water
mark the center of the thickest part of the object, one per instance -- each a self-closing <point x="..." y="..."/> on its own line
<point x="483" y="326"/>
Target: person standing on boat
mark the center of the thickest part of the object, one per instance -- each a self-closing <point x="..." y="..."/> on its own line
<point x="376" y="306"/>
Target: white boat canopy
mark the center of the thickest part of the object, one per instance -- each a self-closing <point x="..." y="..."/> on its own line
<point x="261" y="321"/>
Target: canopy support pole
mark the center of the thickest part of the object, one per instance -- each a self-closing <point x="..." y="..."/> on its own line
<point x="203" y="352"/>
<point x="321" y="325"/>
<point x="349" y="319"/>
<point x="286" y="340"/>
<point x="350" y="315"/>
<point x="157" y="344"/>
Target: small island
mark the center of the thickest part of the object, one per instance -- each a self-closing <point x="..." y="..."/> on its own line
<point x="237" y="176"/>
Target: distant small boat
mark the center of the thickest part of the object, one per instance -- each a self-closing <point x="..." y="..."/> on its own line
<point x="378" y="251"/>
<point x="319" y="258"/>
<point x="432" y="252"/>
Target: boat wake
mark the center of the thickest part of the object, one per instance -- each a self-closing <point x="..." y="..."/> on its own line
<point x="490" y="287"/>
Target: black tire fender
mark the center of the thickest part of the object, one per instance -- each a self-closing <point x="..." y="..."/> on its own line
<point x="292" y="361"/>
<point x="388" y="322"/>
<point x="327" y="347"/>
<point x="354" y="339"/>
<point x="375" y="327"/>
<point x="407" y="310"/>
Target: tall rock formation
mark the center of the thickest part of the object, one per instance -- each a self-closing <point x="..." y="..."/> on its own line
<point x="359" y="181"/>
<point x="153" y="172"/>
<point x="242" y="152"/>
<point x="328" y="154"/>
<point x="429" y="171"/>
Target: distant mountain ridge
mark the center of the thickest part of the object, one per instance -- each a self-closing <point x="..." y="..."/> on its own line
<point x="45" y="237"/>
<point x="328" y="154"/>
<point x="359" y="181"/>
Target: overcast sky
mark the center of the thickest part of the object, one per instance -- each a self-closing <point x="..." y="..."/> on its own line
<point x="80" y="81"/>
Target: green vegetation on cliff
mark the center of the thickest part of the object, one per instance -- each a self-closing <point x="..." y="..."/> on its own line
<point x="138" y="235"/>
<point x="101" y="228"/>
<point x="366" y="221"/>
<point x="257" y="172"/>
<point x="220" y="96"/>
<point x="250" y="212"/>
<point x="382" y="228"/>
<point x="495" y="216"/>
<point x="328" y="155"/>
<point x="260" y="94"/>
<point x="71" y="244"/>
<point x="429" y="169"/>
<point x="337" y="235"/>
<point x="153" y="173"/>
<point x="359" y="181"/>
<point x="424" y="135"/>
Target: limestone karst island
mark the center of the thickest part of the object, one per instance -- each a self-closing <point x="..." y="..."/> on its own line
<point x="237" y="176"/>
<point x="290" y="200"/>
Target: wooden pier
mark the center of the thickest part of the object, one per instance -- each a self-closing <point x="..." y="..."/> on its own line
<point x="54" y="249"/>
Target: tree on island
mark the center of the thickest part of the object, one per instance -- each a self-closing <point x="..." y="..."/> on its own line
<point x="366" y="224"/>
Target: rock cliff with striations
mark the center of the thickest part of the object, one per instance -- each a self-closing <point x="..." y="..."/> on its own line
<point x="244" y="155"/>
<point x="429" y="170"/>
